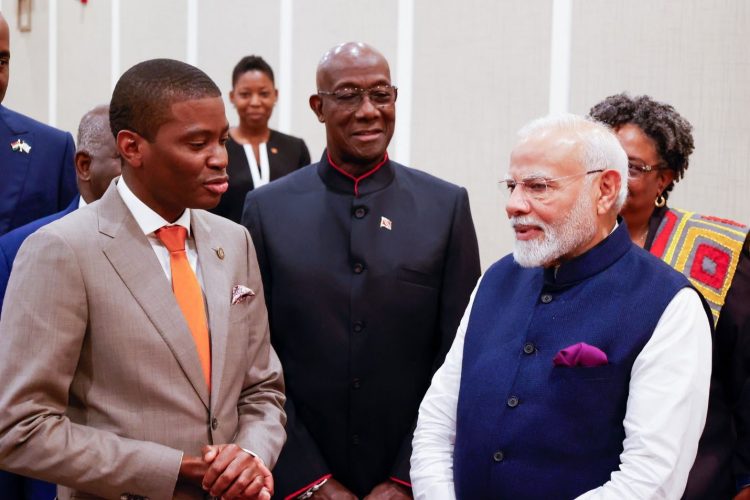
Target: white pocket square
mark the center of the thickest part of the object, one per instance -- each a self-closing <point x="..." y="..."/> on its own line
<point x="241" y="293"/>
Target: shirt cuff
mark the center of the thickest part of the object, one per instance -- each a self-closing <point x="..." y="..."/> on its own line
<point x="305" y="488"/>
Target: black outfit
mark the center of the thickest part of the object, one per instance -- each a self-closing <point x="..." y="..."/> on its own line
<point x="285" y="155"/>
<point x="732" y="361"/>
<point x="365" y="293"/>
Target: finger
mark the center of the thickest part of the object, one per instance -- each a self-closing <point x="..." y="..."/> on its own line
<point x="239" y="463"/>
<point x="219" y="463"/>
<point x="254" y="489"/>
<point x="209" y="453"/>
<point x="236" y="489"/>
<point x="264" y="494"/>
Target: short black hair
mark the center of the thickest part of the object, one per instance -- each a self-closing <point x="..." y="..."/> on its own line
<point x="251" y="63"/>
<point x="671" y="132"/>
<point x="144" y="94"/>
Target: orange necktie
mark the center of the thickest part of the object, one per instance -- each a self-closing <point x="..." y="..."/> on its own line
<point x="188" y="292"/>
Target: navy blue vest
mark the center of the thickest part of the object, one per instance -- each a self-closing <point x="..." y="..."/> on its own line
<point x="525" y="428"/>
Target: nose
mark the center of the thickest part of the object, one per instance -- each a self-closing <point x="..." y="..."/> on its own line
<point x="517" y="203"/>
<point x="366" y="109"/>
<point x="219" y="158"/>
<point x="254" y="100"/>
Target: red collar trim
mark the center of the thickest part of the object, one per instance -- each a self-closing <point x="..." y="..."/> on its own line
<point x="353" y="178"/>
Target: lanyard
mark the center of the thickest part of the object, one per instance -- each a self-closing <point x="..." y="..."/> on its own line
<point x="261" y="176"/>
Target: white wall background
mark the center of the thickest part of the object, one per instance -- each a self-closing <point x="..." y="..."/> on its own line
<point x="470" y="73"/>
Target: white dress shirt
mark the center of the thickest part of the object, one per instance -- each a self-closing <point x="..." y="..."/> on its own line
<point x="666" y="411"/>
<point x="149" y="221"/>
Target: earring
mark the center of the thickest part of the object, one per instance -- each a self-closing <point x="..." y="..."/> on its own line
<point x="321" y="119"/>
<point x="660" y="201"/>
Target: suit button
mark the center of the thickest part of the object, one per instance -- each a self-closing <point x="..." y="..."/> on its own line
<point x="513" y="401"/>
<point x="124" y="496"/>
<point x="214" y="423"/>
<point x="356" y="383"/>
<point x="360" y="212"/>
<point x="498" y="456"/>
<point x="358" y="326"/>
<point x="546" y="298"/>
<point x="355" y="439"/>
<point x="529" y="348"/>
<point x="358" y="268"/>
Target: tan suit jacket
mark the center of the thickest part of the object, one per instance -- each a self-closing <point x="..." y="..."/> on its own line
<point x="101" y="387"/>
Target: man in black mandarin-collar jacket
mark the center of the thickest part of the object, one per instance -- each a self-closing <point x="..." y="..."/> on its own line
<point x="367" y="266"/>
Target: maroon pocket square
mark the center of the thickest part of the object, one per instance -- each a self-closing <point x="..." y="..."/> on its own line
<point x="580" y="354"/>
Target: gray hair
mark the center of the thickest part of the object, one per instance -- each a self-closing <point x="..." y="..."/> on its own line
<point x="601" y="148"/>
<point x="94" y="129"/>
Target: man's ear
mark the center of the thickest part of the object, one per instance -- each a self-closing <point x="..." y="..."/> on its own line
<point x="609" y="190"/>
<point x="131" y="145"/>
<point x="316" y="104"/>
<point x="82" y="162"/>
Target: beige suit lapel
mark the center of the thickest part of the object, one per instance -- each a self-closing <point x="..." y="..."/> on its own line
<point x="134" y="260"/>
<point x="218" y="291"/>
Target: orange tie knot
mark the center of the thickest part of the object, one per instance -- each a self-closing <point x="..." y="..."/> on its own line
<point x="173" y="238"/>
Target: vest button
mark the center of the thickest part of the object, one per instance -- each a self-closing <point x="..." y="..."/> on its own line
<point x="513" y="401"/>
<point x="358" y="268"/>
<point x="355" y="439"/>
<point x="358" y="326"/>
<point x="498" y="456"/>
<point x="529" y="348"/>
<point x="214" y="423"/>
<point x="546" y="298"/>
<point x="360" y="212"/>
<point x="356" y="383"/>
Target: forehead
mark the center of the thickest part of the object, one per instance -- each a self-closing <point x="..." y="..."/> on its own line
<point x="193" y="116"/>
<point x="363" y="70"/>
<point x="636" y="143"/>
<point x="547" y="155"/>
<point x="254" y="77"/>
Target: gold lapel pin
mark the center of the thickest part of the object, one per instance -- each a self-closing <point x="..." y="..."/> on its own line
<point x="274" y="150"/>
<point x="219" y="252"/>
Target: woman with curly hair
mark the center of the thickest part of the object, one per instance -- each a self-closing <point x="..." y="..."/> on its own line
<point x="658" y="142"/>
<point x="711" y="253"/>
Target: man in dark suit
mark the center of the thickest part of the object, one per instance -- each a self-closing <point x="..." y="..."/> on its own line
<point x="36" y="161"/>
<point x="97" y="162"/>
<point x="367" y="266"/>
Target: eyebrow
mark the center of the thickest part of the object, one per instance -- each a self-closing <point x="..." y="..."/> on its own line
<point x="5" y="53"/>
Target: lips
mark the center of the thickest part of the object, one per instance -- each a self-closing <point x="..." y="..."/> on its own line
<point x="368" y="135"/>
<point x="526" y="232"/>
<point x="217" y="186"/>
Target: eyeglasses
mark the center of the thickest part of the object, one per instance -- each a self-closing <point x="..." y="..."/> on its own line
<point x="638" y="168"/>
<point x="351" y="97"/>
<point x="539" y="188"/>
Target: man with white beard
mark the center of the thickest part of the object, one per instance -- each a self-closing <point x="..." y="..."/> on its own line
<point x="581" y="367"/>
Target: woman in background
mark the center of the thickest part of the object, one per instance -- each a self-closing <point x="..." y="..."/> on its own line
<point x="709" y="251"/>
<point x="257" y="154"/>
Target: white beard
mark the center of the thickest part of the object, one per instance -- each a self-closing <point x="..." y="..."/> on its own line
<point x="559" y="238"/>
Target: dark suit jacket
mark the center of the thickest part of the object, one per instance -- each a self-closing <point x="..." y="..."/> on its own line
<point x="285" y="155"/>
<point x="361" y="313"/>
<point x="40" y="182"/>
<point x="11" y="242"/>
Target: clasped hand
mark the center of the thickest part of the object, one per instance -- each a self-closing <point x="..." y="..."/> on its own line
<point x="228" y="472"/>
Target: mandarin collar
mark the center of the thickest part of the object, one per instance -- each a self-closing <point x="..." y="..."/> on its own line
<point x="376" y="179"/>
<point x="596" y="260"/>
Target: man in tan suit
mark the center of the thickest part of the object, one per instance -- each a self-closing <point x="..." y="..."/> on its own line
<point x="114" y="384"/>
